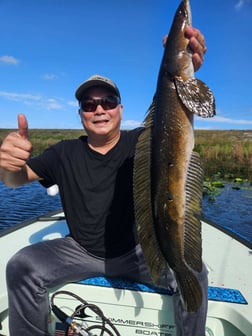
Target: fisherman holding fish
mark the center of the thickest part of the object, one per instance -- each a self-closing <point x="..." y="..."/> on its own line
<point x="95" y="178"/>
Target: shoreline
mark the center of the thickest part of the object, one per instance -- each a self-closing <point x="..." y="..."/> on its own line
<point x="224" y="152"/>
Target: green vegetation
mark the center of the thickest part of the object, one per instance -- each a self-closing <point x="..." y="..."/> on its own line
<point x="226" y="155"/>
<point x="227" y="152"/>
<point x="43" y="138"/>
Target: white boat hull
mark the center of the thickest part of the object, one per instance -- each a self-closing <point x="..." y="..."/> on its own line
<point x="142" y="312"/>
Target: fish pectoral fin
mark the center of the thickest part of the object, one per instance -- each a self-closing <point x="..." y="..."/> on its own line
<point x="193" y="209"/>
<point x="196" y="96"/>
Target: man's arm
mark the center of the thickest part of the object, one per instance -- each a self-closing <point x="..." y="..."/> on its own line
<point x="16" y="179"/>
<point x="14" y="153"/>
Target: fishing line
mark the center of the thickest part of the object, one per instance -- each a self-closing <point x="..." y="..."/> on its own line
<point x="105" y="327"/>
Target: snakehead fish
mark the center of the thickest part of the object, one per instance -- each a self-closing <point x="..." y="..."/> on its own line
<point x="168" y="174"/>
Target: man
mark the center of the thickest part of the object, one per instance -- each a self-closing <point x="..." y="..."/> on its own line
<point x="94" y="175"/>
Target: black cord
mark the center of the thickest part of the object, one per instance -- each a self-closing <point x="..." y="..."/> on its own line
<point x="109" y="332"/>
<point x="81" y="308"/>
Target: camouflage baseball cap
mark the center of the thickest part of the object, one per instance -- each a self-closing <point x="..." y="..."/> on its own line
<point x="96" y="80"/>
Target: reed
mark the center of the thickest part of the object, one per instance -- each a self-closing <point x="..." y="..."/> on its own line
<point x="227" y="152"/>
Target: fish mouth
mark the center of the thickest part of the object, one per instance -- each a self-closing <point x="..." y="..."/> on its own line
<point x="186" y="9"/>
<point x="183" y="14"/>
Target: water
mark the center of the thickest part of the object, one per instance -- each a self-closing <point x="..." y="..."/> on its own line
<point x="231" y="209"/>
<point x="25" y="202"/>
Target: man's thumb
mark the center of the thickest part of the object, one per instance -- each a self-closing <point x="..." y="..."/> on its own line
<point x="22" y="126"/>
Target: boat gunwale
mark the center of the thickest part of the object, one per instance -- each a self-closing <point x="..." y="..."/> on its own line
<point x="233" y="234"/>
<point x="52" y="215"/>
<point x="48" y="216"/>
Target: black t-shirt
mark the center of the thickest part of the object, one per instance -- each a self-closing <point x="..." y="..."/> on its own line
<point x="96" y="191"/>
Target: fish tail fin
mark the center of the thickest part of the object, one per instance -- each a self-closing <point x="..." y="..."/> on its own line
<point x="190" y="290"/>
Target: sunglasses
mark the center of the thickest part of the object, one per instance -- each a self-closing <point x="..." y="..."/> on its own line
<point x="107" y="103"/>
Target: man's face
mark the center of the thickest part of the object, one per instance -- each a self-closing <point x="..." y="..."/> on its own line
<point x="101" y="121"/>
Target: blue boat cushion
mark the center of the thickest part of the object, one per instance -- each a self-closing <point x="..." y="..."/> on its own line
<point x="226" y="295"/>
<point x="214" y="293"/>
<point x="125" y="284"/>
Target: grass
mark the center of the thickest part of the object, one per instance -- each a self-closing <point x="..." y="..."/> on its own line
<point x="43" y="138"/>
<point x="228" y="153"/>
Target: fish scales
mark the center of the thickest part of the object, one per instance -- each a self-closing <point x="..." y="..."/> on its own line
<point x="168" y="174"/>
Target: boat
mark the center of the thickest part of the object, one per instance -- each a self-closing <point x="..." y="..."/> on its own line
<point x="103" y="306"/>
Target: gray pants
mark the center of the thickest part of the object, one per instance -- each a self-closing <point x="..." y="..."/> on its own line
<point x="39" y="267"/>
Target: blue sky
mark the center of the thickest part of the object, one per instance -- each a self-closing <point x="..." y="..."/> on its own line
<point x="48" y="47"/>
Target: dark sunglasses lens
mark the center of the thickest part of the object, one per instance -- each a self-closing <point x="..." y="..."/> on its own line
<point x="109" y="103"/>
<point x="88" y="106"/>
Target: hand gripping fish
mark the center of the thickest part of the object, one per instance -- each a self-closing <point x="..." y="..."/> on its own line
<point x="168" y="174"/>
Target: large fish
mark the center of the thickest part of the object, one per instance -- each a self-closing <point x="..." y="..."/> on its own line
<point x="168" y="174"/>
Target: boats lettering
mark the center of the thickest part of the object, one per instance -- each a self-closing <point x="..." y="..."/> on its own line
<point x="143" y="324"/>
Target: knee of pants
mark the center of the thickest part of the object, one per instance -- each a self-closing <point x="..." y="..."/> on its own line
<point x="18" y="268"/>
<point x="203" y="275"/>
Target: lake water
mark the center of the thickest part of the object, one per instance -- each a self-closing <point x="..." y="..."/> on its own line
<point x="25" y="202"/>
<point x="231" y="209"/>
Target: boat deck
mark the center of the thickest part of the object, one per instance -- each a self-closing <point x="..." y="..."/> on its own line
<point x="142" y="309"/>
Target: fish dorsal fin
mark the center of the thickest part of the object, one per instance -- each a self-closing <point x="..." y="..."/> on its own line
<point x="192" y="234"/>
<point x="142" y="199"/>
<point x="196" y="96"/>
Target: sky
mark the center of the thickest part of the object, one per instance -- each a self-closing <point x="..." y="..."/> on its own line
<point x="48" y="47"/>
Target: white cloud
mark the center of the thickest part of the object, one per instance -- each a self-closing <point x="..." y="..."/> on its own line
<point x="52" y="104"/>
<point x="239" y="4"/>
<point x="219" y="119"/>
<point x="49" y="77"/>
<point x="73" y="103"/>
<point x="131" y="123"/>
<point x="242" y="3"/>
<point x="19" y="96"/>
<point x="35" y="100"/>
<point x="9" y="60"/>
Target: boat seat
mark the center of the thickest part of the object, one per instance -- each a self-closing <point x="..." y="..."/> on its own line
<point x="214" y="293"/>
<point x="121" y="283"/>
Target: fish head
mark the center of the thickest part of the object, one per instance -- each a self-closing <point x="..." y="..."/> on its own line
<point x="183" y="14"/>
<point x="177" y="58"/>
